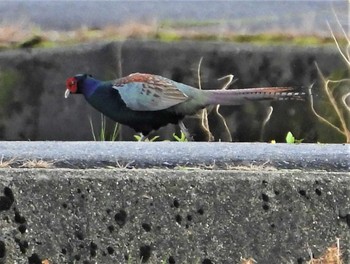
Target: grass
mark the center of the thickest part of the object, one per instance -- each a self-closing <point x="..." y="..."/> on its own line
<point x="103" y="134"/>
<point x="37" y="163"/>
<point x="7" y="163"/>
<point x="337" y="93"/>
<point x="25" y="35"/>
<point x="32" y="163"/>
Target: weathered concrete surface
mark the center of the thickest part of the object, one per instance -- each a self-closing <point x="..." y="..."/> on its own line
<point x="193" y="213"/>
<point x="32" y="83"/>
<point x="184" y="216"/>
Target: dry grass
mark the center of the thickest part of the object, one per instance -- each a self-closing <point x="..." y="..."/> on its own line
<point x="339" y="104"/>
<point x="24" y="34"/>
<point x="332" y="255"/>
<point x="7" y="163"/>
<point x="37" y="164"/>
<point x="248" y="261"/>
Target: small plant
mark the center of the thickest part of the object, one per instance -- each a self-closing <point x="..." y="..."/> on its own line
<point x="140" y="138"/>
<point x="181" y="138"/>
<point x="103" y="134"/>
<point x="290" y="139"/>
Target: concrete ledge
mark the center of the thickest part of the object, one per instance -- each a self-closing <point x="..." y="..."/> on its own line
<point x="193" y="213"/>
<point x="332" y="157"/>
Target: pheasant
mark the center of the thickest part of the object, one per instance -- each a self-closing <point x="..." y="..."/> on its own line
<point x="146" y="102"/>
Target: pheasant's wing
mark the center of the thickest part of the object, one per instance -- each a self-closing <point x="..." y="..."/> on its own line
<point x="147" y="92"/>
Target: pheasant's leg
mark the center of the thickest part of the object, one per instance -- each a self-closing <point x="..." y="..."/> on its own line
<point x="185" y="131"/>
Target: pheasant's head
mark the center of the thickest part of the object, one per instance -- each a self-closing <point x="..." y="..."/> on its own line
<point x="75" y="84"/>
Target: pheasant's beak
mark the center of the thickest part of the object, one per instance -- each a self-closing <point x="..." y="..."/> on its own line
<point x="67" y="93"/>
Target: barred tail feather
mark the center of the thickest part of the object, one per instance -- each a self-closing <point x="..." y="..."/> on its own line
<point x="239" y="96"/>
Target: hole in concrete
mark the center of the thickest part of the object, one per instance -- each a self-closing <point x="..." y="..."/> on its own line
<point x="176" y="203"/>
<point x="18" y="218"/>
<point x="207" y="261"/>
<point x="7" y="200"/>
<point x="189" y="217"/>
<point x="318" y="192"/>
<point x="145" y="253"/>
<point x="264" y="183"/>
<point x="171" y="260"/>
<point x="200" y="211"/>
<point x="108" y="211"/>
<point x="146" y="227"/>
<point x="93" y="249"/>
<point x="266" y="207"/>
<point x="79" y="235"/>
<point x="23" y="245"/>
<point x="77" y="257"/>
<point x="277" y="192"/>
<point x="22" y="228"/>
<point x="302" y="192"/>
<point x="5" y="203"/>
<point x="187" y="226"/>
<point x="273" y="225"/>
<point x="34" y="259"/>
<point x="178" y="219"/>
<point x="9" y="194"/>
<point x="111" y="228"/>
<point x="64" y="205"/>
<point x="78" y="190"/>
<point x="300" y="260"/>
<point x="151" y="204"/>
<point x="110" y="250"/>
<point x="348" y="220"/>
<point x="64" y="251"/>
<point x="2" y="249"/>
<point x="120" y="218"/>
<point x="265" y="197"/>
<point x="126" y="257"/>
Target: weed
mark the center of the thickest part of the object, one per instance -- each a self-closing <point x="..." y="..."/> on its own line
<point x="290" y="139"/>
<point x="140" y="138"/>
<point x="331" y="256"/>
<point x="34" y="163"/>
<point x="341" y="108"/>
<point x="7" y="163"/>
<point x="103" y="136"/>
<point x="181" y="138"/>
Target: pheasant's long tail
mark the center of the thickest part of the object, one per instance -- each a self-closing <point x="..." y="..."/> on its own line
<point x="240" y="96"/>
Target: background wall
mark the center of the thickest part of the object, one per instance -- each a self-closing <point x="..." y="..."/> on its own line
<point x="32" y="85"/>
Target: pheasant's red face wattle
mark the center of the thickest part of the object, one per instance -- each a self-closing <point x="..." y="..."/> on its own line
<point x="71" y="85"/>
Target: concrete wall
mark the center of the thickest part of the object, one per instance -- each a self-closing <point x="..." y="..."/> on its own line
<point x="148" y="200"/>
<point x="32" y="83"/>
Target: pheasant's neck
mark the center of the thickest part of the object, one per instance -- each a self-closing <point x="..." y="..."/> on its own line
<point x="91" y="85"/>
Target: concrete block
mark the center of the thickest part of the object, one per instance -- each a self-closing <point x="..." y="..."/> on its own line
<point x="106" y="202"/>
